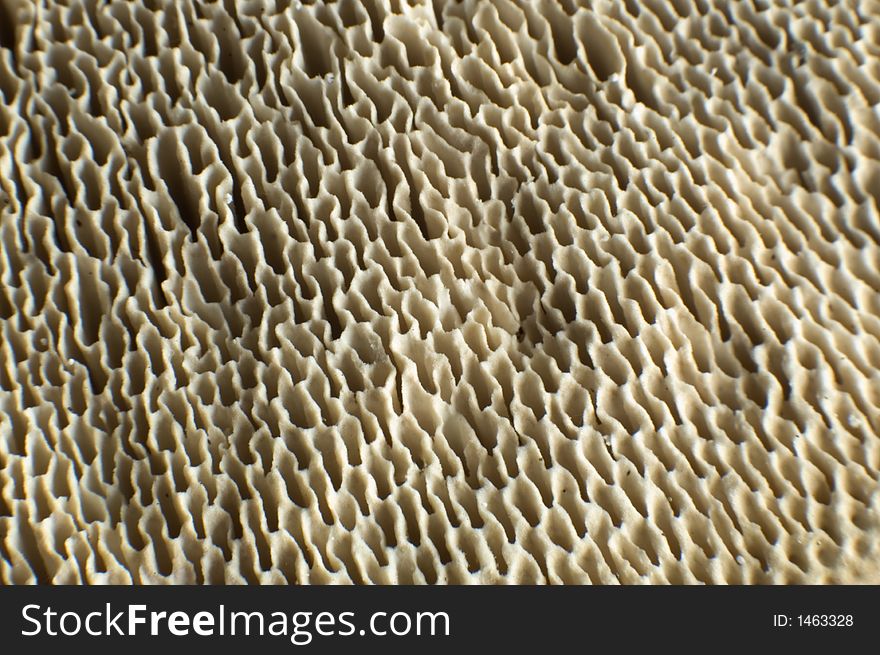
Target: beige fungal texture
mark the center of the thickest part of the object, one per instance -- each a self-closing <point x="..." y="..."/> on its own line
<point x="415" y="291"/>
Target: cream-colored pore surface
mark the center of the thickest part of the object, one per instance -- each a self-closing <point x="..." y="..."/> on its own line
<point x="405" y="291"/>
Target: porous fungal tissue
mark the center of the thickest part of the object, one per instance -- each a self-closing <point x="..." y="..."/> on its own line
<point x="426" y="291"/>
